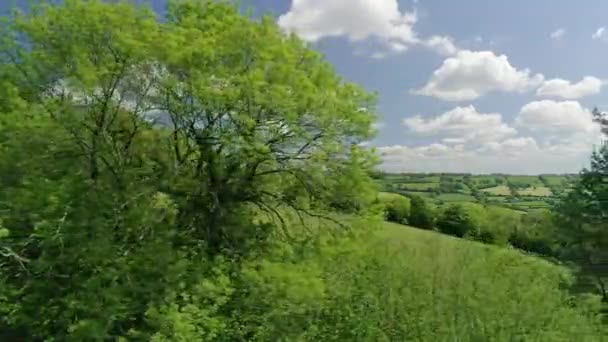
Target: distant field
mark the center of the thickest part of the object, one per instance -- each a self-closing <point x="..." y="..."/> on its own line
<point x="540" y="191"/>
<point x="419" y="186"/>
<point x="525" y="181"/>
<point x="555" y="180"/>
<point x="531" y="205"/>
<point x="496" y="198"/>
<point x="417" y="193"/>
<point x="454" y="197"/>
<point x="501" y="190"/>
<point x="482" y="182"/>
<point x="532" y="192"/>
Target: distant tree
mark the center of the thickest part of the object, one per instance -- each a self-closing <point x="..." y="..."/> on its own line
<point x="421" y="215"/>
<point x="455" y="221"/>
<point x="535" y="233"/>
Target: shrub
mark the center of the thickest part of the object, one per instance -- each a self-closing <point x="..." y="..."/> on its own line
<point x="456" y="221"/>
<point x="421" y="215"/>
<point x="396" y="207"/>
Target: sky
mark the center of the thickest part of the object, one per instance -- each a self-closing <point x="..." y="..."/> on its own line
<point x="466" y="86"/>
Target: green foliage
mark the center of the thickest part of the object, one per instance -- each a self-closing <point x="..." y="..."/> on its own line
<point x="536" y="234"/>
<point x="421" y="215"/>
<point x="581" y="217"/>
<point x="396" y="207"/>
<point x="454" y="220"/>
<point x="134" y="150"/>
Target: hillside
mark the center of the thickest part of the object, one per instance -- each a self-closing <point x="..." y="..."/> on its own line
<point x="476" y="291"/>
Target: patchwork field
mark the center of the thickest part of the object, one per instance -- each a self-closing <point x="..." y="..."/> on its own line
<point x="517" y="192"/>
<point x="540" y="191"/>
<point x="501" y="190"/>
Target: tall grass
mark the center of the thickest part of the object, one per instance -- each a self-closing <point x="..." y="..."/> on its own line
<point x="403" y="284"/>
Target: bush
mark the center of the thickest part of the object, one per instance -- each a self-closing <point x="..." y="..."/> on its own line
<point x="535" y="233"/>
<point x="421" y="215"/>
<point x="396" y="207"/>
<point x="456" y="221"/>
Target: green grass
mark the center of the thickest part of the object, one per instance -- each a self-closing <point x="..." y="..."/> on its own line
<point x="532" y="204"/>
<point x="431" y="179"/>
<point x="455" y="197"/>
<point x="417" y="193"/>
<point x="496" y="198"/>
<point x="470" y="291"/>
<point x="501" y="190"/>
<point x="553" y="180"/>
<point x="390" y="282"/>
<point x="536" y="191"/>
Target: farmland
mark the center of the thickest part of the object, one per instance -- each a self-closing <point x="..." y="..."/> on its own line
<point x="518" y="192"/>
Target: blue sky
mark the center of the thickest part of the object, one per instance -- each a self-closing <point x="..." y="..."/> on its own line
<point x="466" y="86"/>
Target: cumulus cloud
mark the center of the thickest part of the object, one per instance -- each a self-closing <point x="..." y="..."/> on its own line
<point x="520" y="155"/>
<point x="600" y="34"/>
<point x="564" y="89"/>
<point x="357" y="20"/>
<point x="552" y="136"/>
<point x="462" y="125"/>
<point x="471" y="74"/>
<point x="558" y="34"/>
<point x="559" y="118"/>
<point x="443" y="45"/>
<point x="512" y="147"/>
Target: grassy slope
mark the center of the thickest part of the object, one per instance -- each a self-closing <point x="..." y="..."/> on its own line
<point x="398" y="283"/>
<point x="473" y="290"/>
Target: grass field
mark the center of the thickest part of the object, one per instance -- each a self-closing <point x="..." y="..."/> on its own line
<point x="532" y="204"/>
<point x="417" y="193"/>
<point x="501" y="190"/>
<point x="490" y="288"/>
<point x="496" y="198"/>
<point x="454" y="197"/>
<point x="554" y="180"/>
<point x="540" y="191"/>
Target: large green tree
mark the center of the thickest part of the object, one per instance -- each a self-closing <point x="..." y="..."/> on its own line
<point x="128" y="140"/>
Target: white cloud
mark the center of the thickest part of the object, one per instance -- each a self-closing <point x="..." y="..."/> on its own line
<point x="560" y="119"/>
<point x="600" y="34"/>
<point x="462" y="125"/>
<point x="558" y="34"/>
<point x="557" y="137"/>
<point x="471" y="74"/>
<point x="521" y="155"/>
<point x="564" y="89"/>
<point x="443" y="45"/>
<point x="357" y="20"/>
<point x="511" y="147"/>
